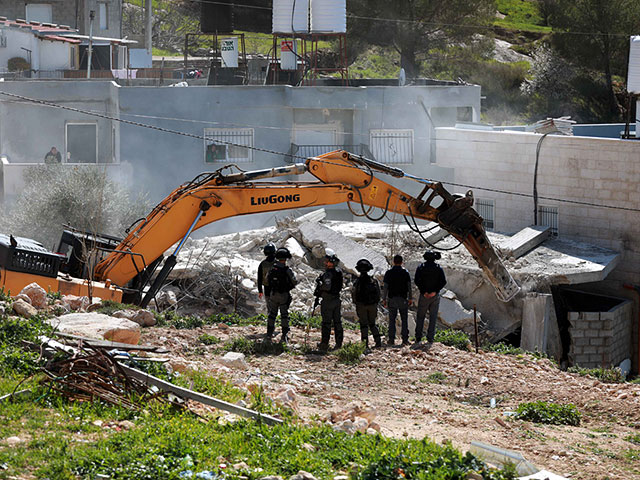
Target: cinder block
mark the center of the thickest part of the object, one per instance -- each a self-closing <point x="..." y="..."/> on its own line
<point x="593" y="333"/>
<point x="606" y="333"/>
<point x="577" y="349"/>
<point x="599" y="358"/>
<point x="581" y="359"/>
<point x="590" y="349"/>
<point x="577" y="333"/>
<point x="582" y="341"/>
<point x="592" y="315"/>
<point x="597" y="341"/>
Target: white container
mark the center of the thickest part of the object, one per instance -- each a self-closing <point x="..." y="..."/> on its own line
<point x="290" y="16"/>
<point x="328" y="16"/>
<point x="229" y="51"/>
<point x="633" y="78"/>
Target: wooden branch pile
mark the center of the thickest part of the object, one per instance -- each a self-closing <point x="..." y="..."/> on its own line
<point x="91" y="373"/>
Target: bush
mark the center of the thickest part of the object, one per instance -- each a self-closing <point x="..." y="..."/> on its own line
<point x="351" y="353"/>
<point x="548" y="413"/>
<point x="241" y="345"/>
<point x="453" y="338"/>
<point x="18" y="64"/>
<point x="82" y="196"/>
<point x="208" y="339"/>
<point x="605" y="375"/>
<point x="435" y="377"/>
<point x="503" y="348"/>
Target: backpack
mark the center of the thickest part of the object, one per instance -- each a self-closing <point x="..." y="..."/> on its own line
<point x="278" y="280"/>
<point x="367" y="292"/>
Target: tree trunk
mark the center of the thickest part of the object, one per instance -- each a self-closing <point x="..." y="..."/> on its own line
<point x="408" y="62"/>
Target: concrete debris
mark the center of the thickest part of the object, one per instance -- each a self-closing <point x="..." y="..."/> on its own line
<point x="234" y="360"/>
<point x="525" y="240"/>
<point x="98" y="326"/>
<point x="302" y="475"/>
<point x="144" y="318"/>
<point x="37" y="295"/>
<point x="452" y="314"/>
<point x="295" y="248"/>
<point x="356" y="417"/>
<point x="286" y="397"/>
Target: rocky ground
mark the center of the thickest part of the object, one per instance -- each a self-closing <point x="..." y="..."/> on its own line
<point x="442" y="393"/>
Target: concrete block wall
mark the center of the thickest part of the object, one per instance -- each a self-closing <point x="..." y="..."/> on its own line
<point x="601" y="339"/>
<point x="62" y="11"/>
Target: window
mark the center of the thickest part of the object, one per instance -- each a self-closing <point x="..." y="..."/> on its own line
<point x="39" y="12"/>
<point x="392" y="146"/>
<point x="548" y="217"/>
<point x="82" y="143"/>
<point x="103" y="16"/>
<point x="228" y="145"/>
<point x="486" y="209"/>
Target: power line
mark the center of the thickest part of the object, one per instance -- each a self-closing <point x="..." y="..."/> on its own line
<point x="264" y="150"/>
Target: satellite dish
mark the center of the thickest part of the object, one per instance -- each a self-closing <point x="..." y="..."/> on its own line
<point x="402" y="78"/>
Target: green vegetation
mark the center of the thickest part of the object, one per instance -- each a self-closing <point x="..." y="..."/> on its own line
<point x="548" y="413"/>
<point x="14" y="359"/>
<point x="605" y="375"/>
<point x="351" y="353"/>
<point x="207" y="339"/>
<point x="435" y="377"/>
<point x="633" y="438"/>
<point x="453" y="338"/>
<point x="521" y="15"/>
<point x="254" y="347"/>
<point x="503" y="348"/>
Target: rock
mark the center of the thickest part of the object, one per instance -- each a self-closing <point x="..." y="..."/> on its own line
<point x="372" y="431"/>
<point x="287" y="397"/>
<point x="308" y="447"/>
<point x="240" y="466"/>
<point x="302" y="475"/>
<point x="36" y="294"/>
<point x="167" y="298"/>
<point x="12" y="441"/>
<point x="234" y="360"/>
<point x="127" y="425"/>
<point x="75" y="302"/>
<point x="272" y="477"/>
<point x="346" y="426"/>
<point x="128" y="314"/>
<point x="24" y="309"/>
<point x="248" y="284"/>
<point x="144" y="318"/>
<point x="23" y="297"/>
<point x="295" y="248"/>
<point x="99" y="326"/>
<point x="361" y="424"/>
<point x="474" y="476"/>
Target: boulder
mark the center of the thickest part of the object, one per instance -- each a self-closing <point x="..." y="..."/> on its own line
<point x="24" y="309"/>
<point x="98" y="326"/>
<point x="22" y="296"/>
<point x="75" y="302"/>
<point x="144" y="318"/>
<point x="36" y="294"/>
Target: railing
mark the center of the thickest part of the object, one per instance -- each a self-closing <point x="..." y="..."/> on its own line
<point x="297" y="152"/>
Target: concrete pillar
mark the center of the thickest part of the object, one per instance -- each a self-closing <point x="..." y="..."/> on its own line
<point x="535" y="322"/>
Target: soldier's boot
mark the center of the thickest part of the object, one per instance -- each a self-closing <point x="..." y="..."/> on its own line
<point x="323" y="346"/>
<point x="271" y="327"/>
<point x="339" y="338"/>
<point x="284" y="339"/>
<point x="378" y="340"/>
<point x="364" y="336"/>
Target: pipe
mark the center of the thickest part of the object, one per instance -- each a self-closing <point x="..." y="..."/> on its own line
<point x="637" y="290"/>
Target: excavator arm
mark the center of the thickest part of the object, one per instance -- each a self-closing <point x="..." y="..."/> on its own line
<point x="342" y="178"/>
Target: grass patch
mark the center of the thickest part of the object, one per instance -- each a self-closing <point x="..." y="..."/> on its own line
<point x="14" y="359"/>
<point x="521" y="15"/>
<point x="633" y="438"/>
<point x="253" y="347"/>
<point x="435" y="377"/>
<point x="503" y="348"/>
<point x="207" y="339"/>
<point x="453" y="338"/>
<point x="109" y="307"/>
<point x="605" y="375"/>
<point x="548" y="413"/>
<point x="351" y="353"/>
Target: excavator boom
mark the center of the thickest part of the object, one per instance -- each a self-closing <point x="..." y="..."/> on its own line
<point x="342" y="178"/>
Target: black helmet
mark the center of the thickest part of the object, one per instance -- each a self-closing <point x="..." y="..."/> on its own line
<point x="331" y="256"/>
<point x="431" y="256"/>
<point x="363" y="265"/>
<point x="283" y="253"/>
<point x="269" y="249"/>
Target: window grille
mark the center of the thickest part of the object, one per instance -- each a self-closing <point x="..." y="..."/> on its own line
<point x="486" y="209"/>
<point x="392" y="146"/>
<point x="548" y="217"/>
<point x="228" y="145"/>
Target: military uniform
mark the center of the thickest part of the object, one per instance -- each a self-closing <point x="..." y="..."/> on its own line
<point x="281" y="281"/>
<point x="329" y="285"/>
<point x="366" y="295"/>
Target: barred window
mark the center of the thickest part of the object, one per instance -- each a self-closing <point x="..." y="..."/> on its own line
<point x="392" y="146"/>
<point x="548" y="217"/>
<point x="486" y="209"/>
<point x="228" y="145"/>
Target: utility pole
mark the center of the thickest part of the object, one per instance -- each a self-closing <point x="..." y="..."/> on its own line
<point x="148" y="31"/>
<point x="92" y="15"/>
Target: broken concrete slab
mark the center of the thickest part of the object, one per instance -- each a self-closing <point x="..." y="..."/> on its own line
<point x="98" y="326"/>
<point x="349" y="252"/>
<point x="295" y="249"/>
<point x="536" y="311"/>
<point x="525" y="240"/>
<point x="452" y="313"/>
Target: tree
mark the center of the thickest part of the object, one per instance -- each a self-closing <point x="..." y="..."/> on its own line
<point x="413" y="27"/>
<point x="595" y="34"/>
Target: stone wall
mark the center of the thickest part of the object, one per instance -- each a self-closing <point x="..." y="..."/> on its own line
<point x="600" y="339"/>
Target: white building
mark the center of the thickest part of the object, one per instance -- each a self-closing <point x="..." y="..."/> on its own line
<point x="42" y="46"/>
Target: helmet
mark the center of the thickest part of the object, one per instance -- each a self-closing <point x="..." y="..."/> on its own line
<point x="431" y="256"/>
<point x="363" y="265"/>
<point x="283" y="253"/>
<point x="269" y="249"/>
<point x="331" y="256"/>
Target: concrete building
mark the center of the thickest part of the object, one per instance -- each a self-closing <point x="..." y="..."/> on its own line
<point x="73" y="13"/>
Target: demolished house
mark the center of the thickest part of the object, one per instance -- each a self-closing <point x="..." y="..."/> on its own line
<point x="218" y="274"/>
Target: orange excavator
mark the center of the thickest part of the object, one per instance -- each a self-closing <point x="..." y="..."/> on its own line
<point x="121" y="270"/>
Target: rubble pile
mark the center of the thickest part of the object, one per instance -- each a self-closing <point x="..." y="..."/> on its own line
<point x="355" y="417"/>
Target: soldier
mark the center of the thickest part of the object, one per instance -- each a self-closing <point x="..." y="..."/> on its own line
<point x="429" y="279"/>
<point x="328" y="286"/>
<point x="366" y="295"/>
<point x="397" y="297"/>
<point x="281" y="281"/>
<point x="263" y="270"/>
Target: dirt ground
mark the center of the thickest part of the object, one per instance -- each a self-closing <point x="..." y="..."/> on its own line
<point x="395" y="380"/>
